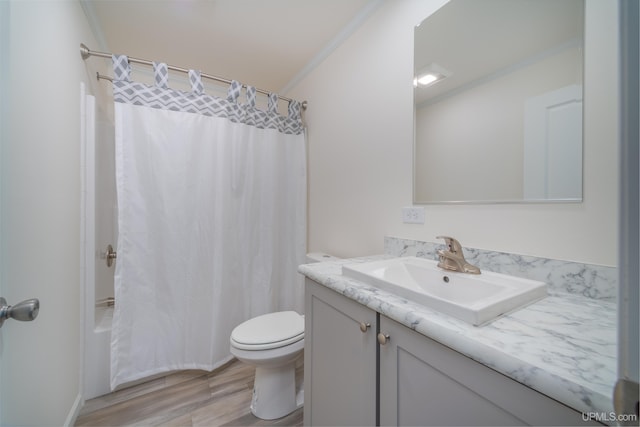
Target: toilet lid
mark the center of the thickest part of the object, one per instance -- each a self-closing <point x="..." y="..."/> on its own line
<point x="269" y="331"/>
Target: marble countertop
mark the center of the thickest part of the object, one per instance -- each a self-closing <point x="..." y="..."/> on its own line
<point x="563" y="346"/>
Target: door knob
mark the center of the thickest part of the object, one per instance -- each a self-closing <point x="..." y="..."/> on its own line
<point x="25" y="311"/>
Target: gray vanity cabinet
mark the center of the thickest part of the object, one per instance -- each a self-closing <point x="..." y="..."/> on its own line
<point x="339" y="360"/>
<point x="417" y="381"/>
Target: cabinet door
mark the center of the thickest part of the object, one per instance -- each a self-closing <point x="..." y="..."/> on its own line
<point x="422" y="382"/>
<point x="339" y="360"/>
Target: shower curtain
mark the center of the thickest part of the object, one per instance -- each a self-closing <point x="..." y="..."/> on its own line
<point x="211" y="221"/>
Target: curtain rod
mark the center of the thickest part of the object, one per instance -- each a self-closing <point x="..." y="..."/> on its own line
<point x="85" y="52"/>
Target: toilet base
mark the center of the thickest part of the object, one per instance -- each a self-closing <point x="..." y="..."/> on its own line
<point x="274" y="392"/>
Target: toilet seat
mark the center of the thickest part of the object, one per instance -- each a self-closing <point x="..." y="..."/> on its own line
<point x="269" y="331"/>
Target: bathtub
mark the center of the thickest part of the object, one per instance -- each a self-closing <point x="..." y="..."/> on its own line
<point x="104" y="317"/>
<point x="97" y="355"/>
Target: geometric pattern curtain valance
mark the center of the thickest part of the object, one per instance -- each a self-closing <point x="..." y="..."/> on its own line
<point x="162" y="97"/>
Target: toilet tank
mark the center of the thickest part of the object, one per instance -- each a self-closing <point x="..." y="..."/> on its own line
<point x="320" y="257"/>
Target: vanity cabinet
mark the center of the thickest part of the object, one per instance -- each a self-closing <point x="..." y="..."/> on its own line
<point x="407" y="379"/>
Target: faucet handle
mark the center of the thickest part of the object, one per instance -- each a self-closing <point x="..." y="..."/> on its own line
<point x="453" y="245"/>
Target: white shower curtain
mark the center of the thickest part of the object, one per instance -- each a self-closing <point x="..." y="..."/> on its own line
<point x="211" y="218"/>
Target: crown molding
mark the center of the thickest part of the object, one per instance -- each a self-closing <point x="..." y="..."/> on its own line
<point x="363" y="14"/>
<point x="94" y="23"/>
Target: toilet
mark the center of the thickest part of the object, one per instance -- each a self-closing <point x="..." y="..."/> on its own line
<point x="273" y="343"/>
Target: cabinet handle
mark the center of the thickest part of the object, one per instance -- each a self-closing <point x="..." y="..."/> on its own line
<point x="383" y="338"/>
<point x="364" y="326"/>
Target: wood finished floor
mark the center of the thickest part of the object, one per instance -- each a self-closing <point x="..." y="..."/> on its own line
<point x="187" y="398"/>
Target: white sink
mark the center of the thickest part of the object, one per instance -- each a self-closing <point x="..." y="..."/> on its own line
<point x="473" y="298"/>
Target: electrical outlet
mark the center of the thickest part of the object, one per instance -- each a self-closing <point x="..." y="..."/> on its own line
<point x="413" y="215"/>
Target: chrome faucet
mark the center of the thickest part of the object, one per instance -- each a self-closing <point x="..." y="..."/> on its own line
<point x="453" y="259"/>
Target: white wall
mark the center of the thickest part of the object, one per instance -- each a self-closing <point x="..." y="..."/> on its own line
<point x="40" y="228"/>
<point x="360" y="123"/>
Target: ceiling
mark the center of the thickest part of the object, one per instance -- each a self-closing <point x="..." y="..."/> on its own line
<point x="265" y="43"/>
<point x="475" y="39"/>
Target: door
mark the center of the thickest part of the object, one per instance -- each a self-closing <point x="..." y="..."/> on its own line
<point x="553" y="145"/>
<point x="423" y="382"/>
<point x="340" y="360"/>
<point x="626" y="394"/>
<point x="16" y="338"/>
<point x="40" y="71"/>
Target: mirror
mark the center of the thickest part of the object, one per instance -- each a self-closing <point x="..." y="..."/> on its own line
<point x="502" y="122"/>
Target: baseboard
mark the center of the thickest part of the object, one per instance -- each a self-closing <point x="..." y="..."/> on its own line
<point x="74" y="411"/>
